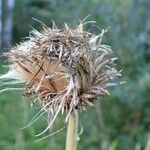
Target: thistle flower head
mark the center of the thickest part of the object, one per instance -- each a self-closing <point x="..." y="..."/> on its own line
<point x="66" y="69"/>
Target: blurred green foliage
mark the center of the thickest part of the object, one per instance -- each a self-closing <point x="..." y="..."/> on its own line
<point x="126" y="112"/>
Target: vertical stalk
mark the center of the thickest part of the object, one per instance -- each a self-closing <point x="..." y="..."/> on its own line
<point x="72" y="130"/>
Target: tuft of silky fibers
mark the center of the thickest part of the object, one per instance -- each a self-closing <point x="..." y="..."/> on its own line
<point x="64" y="69"/>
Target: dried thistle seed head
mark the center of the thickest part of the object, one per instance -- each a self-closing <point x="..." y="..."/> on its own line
<point x="66" y="69"/>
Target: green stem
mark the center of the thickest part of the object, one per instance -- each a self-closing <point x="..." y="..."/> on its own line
<point x="72" y="130"/>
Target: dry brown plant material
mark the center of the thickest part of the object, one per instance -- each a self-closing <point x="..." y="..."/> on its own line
<point x="65" y="69"/>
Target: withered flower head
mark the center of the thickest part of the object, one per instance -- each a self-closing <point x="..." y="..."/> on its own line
<point x="66" y="69"/>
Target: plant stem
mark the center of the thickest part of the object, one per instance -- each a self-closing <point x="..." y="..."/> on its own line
<point x="72" y="129"/>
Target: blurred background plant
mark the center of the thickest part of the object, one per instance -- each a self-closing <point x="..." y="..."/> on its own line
<point x="122" y="121"/>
